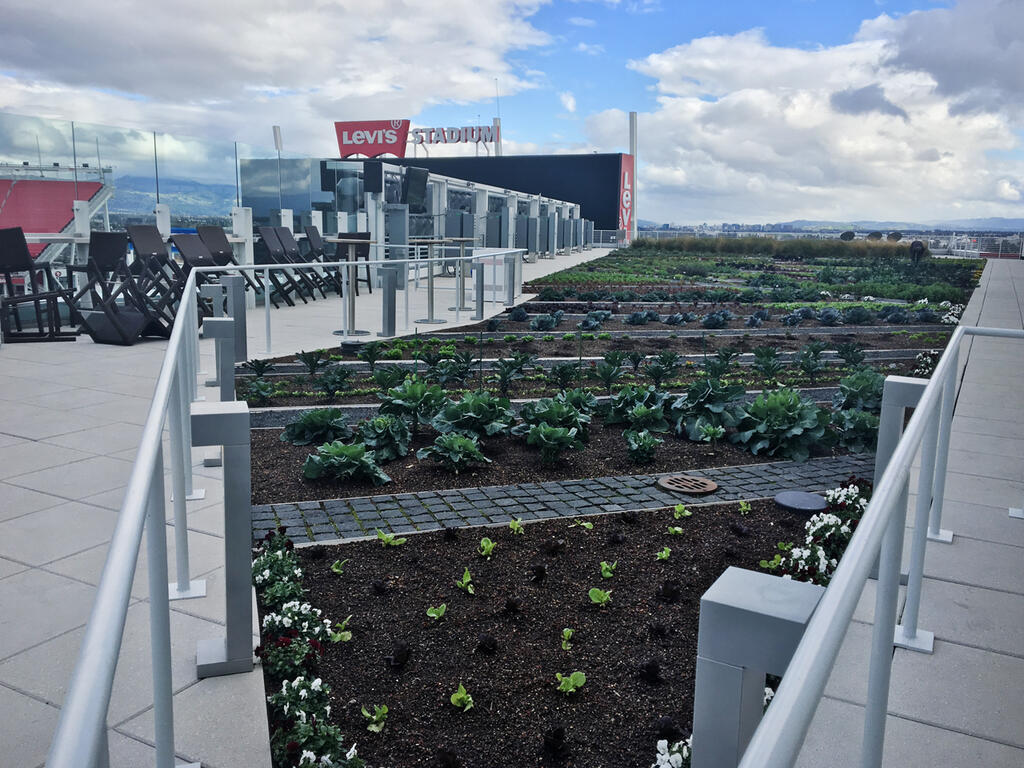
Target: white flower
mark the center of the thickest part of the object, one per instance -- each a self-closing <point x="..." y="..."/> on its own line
<point x="307" y="755"/>
<point x="351" y="753"/>
<point x="316" y="684"/>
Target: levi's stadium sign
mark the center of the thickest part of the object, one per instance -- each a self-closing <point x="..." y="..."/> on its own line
<point x="373" y="138"/>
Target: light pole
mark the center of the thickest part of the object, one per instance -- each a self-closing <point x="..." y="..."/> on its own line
<point x="279" y="145"/>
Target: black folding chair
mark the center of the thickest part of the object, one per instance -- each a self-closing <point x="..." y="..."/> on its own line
<point x="269" y="251"/>
<point x="362" y="253"/>
<point x="310" y="275"/>
<point x="216" y="241"/>
<point x="15" y="257"/>
<point x="158" y="277"/>
<point x="114" y="314"/>
<point x="317" y="252"/>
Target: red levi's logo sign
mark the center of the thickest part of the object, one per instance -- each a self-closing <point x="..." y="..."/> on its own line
<point x="626" y="182"/>
<point x="372" y="137"/>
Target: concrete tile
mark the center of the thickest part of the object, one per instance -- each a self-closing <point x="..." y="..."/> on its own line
<point x="205" y="554"/>
<point x="6" y="440"/>
<point x="979" y="522"/>
<point x="126" y="752"/>
<point x="10" y="567"/>
<point x="989" y="696"/>
<point x="31" y="456"/>
<point x="57" y="532"/>
<point x="238" y="701"/>
<point x="975" y="425"/>
<point x="133" y="683"/>
<point x="28" y="726"/>
<point x="20" y="501"/>
<point x="35" y="423"/>
<point x="835" y="736"/>
<point x="105" y="440"/>
<point x="865" y="611"/>
<point x="79" y="480"/>
<point x="987" y="444"/>
<point x="71" y="400"/>
<point x="39" y="605"/>
<point x="849" y="679"/>
<point x="976" y="563"/>
<point x="983" y="618"/>
<point x="982" y="490"/>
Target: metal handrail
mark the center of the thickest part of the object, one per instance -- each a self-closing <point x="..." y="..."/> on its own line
<point x="81" y="734"/>
<point x="778" y="739"/>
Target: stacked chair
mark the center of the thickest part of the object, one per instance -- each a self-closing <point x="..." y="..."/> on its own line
<point x="110" y="305"/>
<point x="158" y="277"/>
<point x="311" y="275"/>
<point x="216" y="242"/>
<point x="16" y="258"/>
<point x="269" y="251"/>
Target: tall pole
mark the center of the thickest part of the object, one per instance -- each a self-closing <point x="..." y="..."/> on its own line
<point x="74" y="158"/>
<point x="278" y="144"/>
<point x="636" y="168"/>
<point x="497" y="121"/>
<point x="238" y="185"/>
<point x="156" y="170"/>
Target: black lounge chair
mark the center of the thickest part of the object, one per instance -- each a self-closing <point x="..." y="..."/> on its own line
<point x="216" y="241"/>
<point x="15" y="257"/>
<point x="311" y="275"/>
<point x="317" y="252"/>
<point x="158" y="277"/>
<point x="113" y="314"/>
<point x="269" y="251"/>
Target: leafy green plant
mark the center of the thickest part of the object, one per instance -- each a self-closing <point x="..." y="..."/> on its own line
<point x="567" y="634"/>
<point x="706" y="401"/>
<point x="414" y="400"/>
<point x="553" y="413"/>
<point x="486" y="547"/>
<point x="615" y="357"/>
<point x="516" y="526"/>
<point x="711" y="433"/>
<point x="810" y="364"/>
<point x="857" y="430"/>
<point x="643" y="418"/>
<point x="466" y="582"/>
<point x="479" y="414"/>
<point x="600" y="596"/>
<point x="608" y="374"/>
<point x="571" y="683"/>
<point x="680" y="511"/>
<point x="580" y="399"/>
<point x="675" y="530"/>
<point x="626" y="399"/>
<point x="767" y="362"/>
<point x="641" y="446"/>
<point x="334" y="380"/>
<point x="780" y="423"/>
<point x="584" y="524"/>
<point x="341" y="633"/>
<point x="664" y="554"/>
<point x="387" y="436"/>
<point x="323" y="425"/>
<point x="657" y="373"/>
<point x="313" y="361"/>
<point x="461" y="699"/>
<point x="608" y="569"/>
<point x="259" y="367"/>
<point x="338" y="566"/>
<point x="258" y="391"/>
<point x="552" y="441"/>
<point x="505" y="371"/>
<point x="453" y="451"/>
<point x="636" y="359"/>
<point x="851" y="353"/>
<point x="337" y="461"/>
<point x="745" y="508"/>
<point x="861" y="391"/>
<point x="437" y="613"/>
<point x="380" y="714"/>
<point x="370" y="353"/>
<point x="389" y="376"/>
<point x="389" y="539"/>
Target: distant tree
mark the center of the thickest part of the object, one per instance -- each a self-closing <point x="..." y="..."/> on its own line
<point x="874" y="235"/>
<point x="894" y="237"/>
<point x="848" y="235"/>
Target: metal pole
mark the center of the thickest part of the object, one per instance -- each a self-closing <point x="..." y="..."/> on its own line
<point x="935" y="531"/>
<point x="494" y="280"/>
<point x="886" y="598"/>
<point x="184" y="588"/>
<point x="159" y="618"/>
<point x="907" y="635"/>
<point x="266" y="305"/>
<point x="74" y="159"/>
<point x="238" y="183"/>
<point x="156" y="171"/>
<point x="350" y="300"/>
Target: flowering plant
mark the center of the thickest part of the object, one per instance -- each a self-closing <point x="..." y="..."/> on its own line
<point x="673" y="756"/>
<point x="953" y="313"/>
<point x="302" y="618"/>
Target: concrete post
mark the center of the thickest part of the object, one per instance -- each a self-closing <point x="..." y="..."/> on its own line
<point x="389" y="275"/>
<point x="227" y="424"/>
<point x="241" y="226"/>
<point x="235" y="286"/>
<point x="478" y="290"/>
<point x="750" y="626"/>
<point x="222" y="331"/>
<point x="163" y="219"/>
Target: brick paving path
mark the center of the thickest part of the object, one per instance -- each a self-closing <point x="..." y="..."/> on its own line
<point x="431" y="510"/>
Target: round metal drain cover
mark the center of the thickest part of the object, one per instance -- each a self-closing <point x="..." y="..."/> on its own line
<point x="687" y="484"/>
<point x="801" y="501"/>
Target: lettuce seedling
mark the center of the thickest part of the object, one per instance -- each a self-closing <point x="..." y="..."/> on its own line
<point x="664" y="554"/>
<point x="608" y="569"/>
<point x="566" y="637"/>
<point x="466" y="582"/>
<point x="343" y="635"/>
<point x="516" y="526"/>
<point x="599" y="596"/>
<point x="461" y="699"/>
<point x="437" y="613"/>
<point x="380" y="714"/>
<point x="338" y="566"/>
<point x="389" y="539"/>
<point x="582" y="524"/>
<point x="486" y="547"/>
<point x="681" y="511"/>
<point x="675" y="530"/>
<point x="744" y="507"/>
<point x="570" y="683"/>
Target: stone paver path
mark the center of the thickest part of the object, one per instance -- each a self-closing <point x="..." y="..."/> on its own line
<point x="431" y="510"/>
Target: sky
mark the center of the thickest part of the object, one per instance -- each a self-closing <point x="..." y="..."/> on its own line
<point x="749" y="111"/>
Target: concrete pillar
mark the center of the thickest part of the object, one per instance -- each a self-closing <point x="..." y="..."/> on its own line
<point x="241" y="226"/>
<point x="163" y="219"/>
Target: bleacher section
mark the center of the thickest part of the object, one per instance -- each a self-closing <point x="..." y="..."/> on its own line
<point x="41" y="206"/>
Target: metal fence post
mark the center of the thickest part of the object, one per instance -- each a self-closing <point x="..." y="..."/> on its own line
<point x="478" y="290"/>
<point x="935" y="530"/>
<point x="227" y="425"/>
<point x="510" y="278"/>
<point x="266" y="306"/>
<point x="184" y="588"/>
<point x="886" y="598"/>
<point x="235" y="287"/>
<point x="907" y="634"/>
<point x="222" y="331"/>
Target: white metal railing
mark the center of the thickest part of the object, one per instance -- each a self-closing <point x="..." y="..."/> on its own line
<point x="879" y="537"/>
<point x="81" y="735"/>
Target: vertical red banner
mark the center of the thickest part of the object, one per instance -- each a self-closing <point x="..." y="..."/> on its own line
<point x="627" y="181"/>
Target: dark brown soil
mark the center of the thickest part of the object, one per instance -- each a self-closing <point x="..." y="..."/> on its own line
<point x="277" y="465"/>
<point x="611" y="722"/>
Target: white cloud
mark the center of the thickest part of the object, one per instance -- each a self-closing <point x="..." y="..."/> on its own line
<point x="581" y="21"/>
<point x="749" y="131"/>
<point x="591" y="49"/>
<point x="232" y="74"/>
<point x="568" y="101"/>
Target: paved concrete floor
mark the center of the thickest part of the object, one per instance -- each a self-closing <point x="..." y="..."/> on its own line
<point x="962" y="705"/>
<point x="71" y="415"/>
